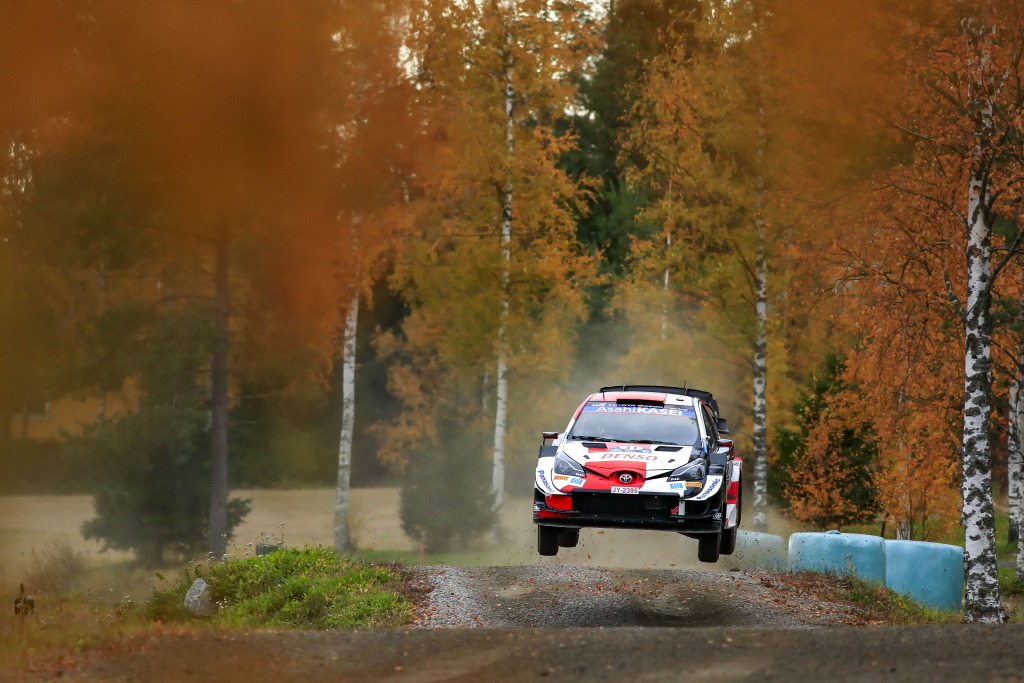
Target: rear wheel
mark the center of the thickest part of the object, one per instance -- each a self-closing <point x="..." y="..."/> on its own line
<point x="547" y="540"/>
<point x="728" y="543"/>
<point x="708" y="547"/>
<point x="568" y="538"/>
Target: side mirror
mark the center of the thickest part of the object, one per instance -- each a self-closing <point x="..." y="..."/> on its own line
<point x="724" y="446"/>
<point x="723" y="426"/>
<point x="547" y="438"/>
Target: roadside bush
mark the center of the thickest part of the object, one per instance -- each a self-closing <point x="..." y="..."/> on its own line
<point x="446" y="494"/>
<point x="312" y="588"/>
<point x="153" y="484"/>
<point x="55" y="569"/>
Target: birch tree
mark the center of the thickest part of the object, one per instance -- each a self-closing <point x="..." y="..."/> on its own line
<point x="929" y="255"/>
<point x="1013" y="466"/>
<point x="342" y="540"/>
<point x="703" y="122"/>
<point x="492" y="271"/>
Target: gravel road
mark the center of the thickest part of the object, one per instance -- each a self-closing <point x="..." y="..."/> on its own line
<point x="567" y="596"/>
<point x="570" y="623"/>
<point x="939" y="654"/>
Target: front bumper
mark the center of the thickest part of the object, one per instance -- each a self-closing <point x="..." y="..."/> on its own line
<point x="601" y="509"/>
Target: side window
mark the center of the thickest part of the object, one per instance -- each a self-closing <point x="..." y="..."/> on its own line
<point x="709" y="420"/>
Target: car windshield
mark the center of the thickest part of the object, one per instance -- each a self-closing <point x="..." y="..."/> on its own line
<point x="608" y="421"/>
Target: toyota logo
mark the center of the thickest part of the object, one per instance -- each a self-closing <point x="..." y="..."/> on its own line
<point x="625" y="477"/>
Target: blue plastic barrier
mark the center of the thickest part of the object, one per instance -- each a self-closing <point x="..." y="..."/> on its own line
<point x="835" y="553"/>
<point x="757" y="552"/>
<point x="930" y="573"/>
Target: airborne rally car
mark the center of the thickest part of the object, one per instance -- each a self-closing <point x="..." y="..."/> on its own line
<point x="640" y="457"/>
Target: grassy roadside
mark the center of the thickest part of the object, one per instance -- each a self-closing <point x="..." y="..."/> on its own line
<point x="869" y="602"/>
<point x="309" y="588"/>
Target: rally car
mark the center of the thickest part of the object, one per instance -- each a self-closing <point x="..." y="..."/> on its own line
<point x="640" y="457"/>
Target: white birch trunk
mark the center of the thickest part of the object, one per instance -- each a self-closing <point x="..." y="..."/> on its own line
<point x="1013" y="448"/>
<point x="978" y="514"/>
<point x="342" y="540"/>
<point x="664" y="289"/>
<point x="501" y="404"/>
<point x="1016" y="464"/>
<point x="664" y="286"/>
<point x="978" y="517"/>
<point x="760" y="384"/>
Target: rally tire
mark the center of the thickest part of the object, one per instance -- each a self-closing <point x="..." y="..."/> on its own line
<point x="568" y="538"/>
<point x="547" y="540"/>
<point x="708" y="547"/>
<point x="727" y="546"/>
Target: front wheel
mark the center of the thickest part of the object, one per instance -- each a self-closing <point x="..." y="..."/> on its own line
<point x="568" y="538"/>
<point x="547" y="540"/>
<point x="728" y="543"/>
<point x="708" y="546"/>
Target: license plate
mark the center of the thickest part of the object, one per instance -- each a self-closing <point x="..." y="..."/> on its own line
<point x="625" y="489"/>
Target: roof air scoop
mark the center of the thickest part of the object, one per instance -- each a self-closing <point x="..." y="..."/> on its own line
<point x="639" y="402"/>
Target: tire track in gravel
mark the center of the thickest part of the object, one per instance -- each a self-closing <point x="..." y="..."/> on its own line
<point x="567" y="596"/>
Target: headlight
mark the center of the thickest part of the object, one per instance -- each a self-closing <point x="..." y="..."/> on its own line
<point x="564" y="465"/>
<point x="695" y="470"/>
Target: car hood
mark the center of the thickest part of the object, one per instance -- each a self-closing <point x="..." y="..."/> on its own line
<point x="614" y="457"/>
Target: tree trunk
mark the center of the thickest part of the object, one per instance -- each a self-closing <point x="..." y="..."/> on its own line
<point x="342" y="542"/>
<point x="665" y="279"/>
<point x="1013" y="447"/>
<point x="760" y="385"/>
<point x="1016" y="464"/>
<point x="501" y="404"/>
<point x="219" y="402"/>
<point x="980" y="569"/>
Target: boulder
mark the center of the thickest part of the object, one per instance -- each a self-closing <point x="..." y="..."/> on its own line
<point x="198" y="600"/>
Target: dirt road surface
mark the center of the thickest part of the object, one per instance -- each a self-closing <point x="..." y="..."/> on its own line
<point x="569" y="623"/>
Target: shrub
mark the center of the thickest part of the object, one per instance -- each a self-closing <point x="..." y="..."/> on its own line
<point x="153" y="484"/>
<point x="55" y="569"/>
<point x="446" y="495"/>
<point x="312" y="588"/>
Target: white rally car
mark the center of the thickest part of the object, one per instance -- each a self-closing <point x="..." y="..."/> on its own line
<point x="640" y="457"/>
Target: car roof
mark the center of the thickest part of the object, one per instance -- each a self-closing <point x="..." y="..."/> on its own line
<point x="704" y="396"/>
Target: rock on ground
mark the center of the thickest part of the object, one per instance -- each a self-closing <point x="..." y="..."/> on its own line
<point x="198" y="600"/>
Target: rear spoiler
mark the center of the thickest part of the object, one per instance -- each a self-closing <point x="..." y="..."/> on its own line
<point x="681" y="391"/>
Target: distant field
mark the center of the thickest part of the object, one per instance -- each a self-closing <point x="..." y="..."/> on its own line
<point x="308" y="517"/>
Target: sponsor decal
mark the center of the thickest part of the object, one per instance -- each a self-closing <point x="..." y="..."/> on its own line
<point x="686" y="485"/>
<point x="629" y="449"/>
<point x="629" y="456"/>
<point x="559" y="477"/>
<point x="676" y="486"/>
<point x="608" y="407"/>
<point x="544" y="482"/>
<point x="562" y="480"/>
<point x="717" y="515"/>
<point x="576" y="481"/>
<point x="713" y="484"/>
<point x="625" y="489"/>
